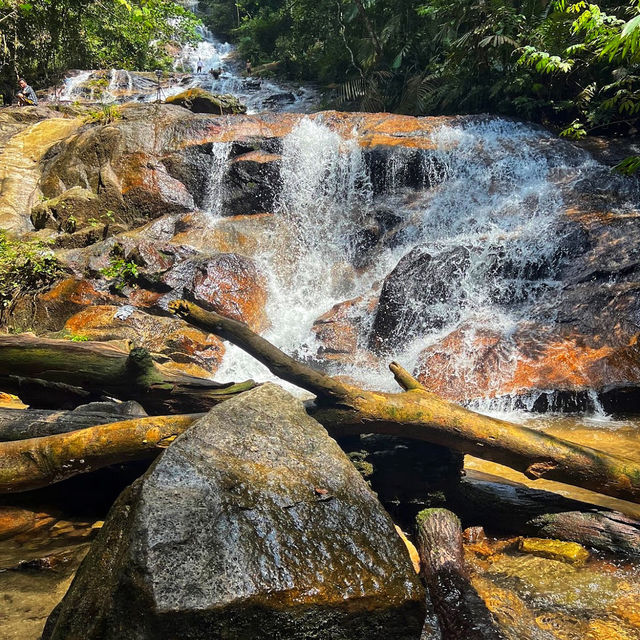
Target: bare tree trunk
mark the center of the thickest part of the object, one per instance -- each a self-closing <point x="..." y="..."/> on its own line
<point x="461" y="612"/>
<point x="344" y="409"/>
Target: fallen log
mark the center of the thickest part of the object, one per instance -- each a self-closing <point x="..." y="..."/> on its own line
<point x="505" y="507"/>
<point x="51" y="374"/>
<point x="38" y="462"/>
<point x="416" y="413"/>
<point x="461" y="612"/>
<point x="22" y="424"/>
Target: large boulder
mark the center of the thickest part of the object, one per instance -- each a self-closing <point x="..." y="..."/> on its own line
<point x="187" y="348"/>
<point x="417" y="296"/>
<point x="253" y="524"/>
<point x="200" y="101"/>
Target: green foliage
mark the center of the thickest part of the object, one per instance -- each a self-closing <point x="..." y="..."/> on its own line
<point x="572" y="65"/>
<point x="106" y="114"/>
<point x="24" y="266"/>
<point x="41" y="39"/>
<point x="76" y="337"/>
<point x="122" y="272"/>
<point x="629" y="166"/>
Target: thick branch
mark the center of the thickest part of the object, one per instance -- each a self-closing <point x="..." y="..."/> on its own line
<point x="38" y="462"/>
<point x="418" y="414"/>
<point x="279" y="363"/>
<point x="505" y="507"/>
<point x="22" y="424"/>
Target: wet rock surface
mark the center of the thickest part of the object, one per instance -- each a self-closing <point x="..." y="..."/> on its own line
<point x="502" y="310"/>
<point x="254" y="524"/>
<point x="201" y="101"/>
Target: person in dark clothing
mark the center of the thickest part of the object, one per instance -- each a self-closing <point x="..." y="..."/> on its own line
<point x="27" y="95"/>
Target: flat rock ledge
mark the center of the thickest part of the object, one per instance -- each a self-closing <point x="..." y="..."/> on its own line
<point x="251" y="525"/>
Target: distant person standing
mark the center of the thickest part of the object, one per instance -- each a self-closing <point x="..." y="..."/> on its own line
<point x="248" y="67"/>
<point x="199" y="66"/>
<point x="27" y="96"/>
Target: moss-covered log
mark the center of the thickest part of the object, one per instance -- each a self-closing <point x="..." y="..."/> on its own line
<point x="49" y="373"/>
<point x="461" y="612"/>
<point x="345" y="409"/>
<point x="38" y="462"/>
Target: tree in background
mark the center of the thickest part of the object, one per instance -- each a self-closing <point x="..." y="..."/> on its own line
<point x="41" y="39"/>
<point x="571" y="65"/>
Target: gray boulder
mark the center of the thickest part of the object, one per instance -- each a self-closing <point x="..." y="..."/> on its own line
<point x="252" y="525"/>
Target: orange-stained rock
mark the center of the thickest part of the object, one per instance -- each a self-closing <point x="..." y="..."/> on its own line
<point x="169" y="336"/>
<point x="627" y="607"/>
<point x="233" y="286"/>
<point x="467" y="363"/>
<point x="48" y="311"/>
<point x="261" y="157"/>
<point x="609" y="630"/>
<point x="338" y="330"/>
<point x="14" y="520"/>
<point x="9" y="401"/>
<point x="470" y="363"/>
<point x="80" y="292"/>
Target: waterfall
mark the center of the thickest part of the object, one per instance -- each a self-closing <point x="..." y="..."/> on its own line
<point x="71" y="85"/>
<point x="213" y="195"/>
<point x="488" y="189"/>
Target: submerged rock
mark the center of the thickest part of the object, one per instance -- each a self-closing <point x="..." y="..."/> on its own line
<point x="253" y="524"/>
<point x="570" y="552"/>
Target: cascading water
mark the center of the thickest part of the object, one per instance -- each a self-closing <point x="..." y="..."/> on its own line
<point x="212" y="199"/>
<point x="490" y="194"/>
<point x="72" y="85"/>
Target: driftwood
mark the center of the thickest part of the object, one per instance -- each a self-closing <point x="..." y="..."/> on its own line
<point x="22" y="424"/>
<point x="38" y="462"/>
<point x="345" y="409"/>
<point x="461" y="612"/>
<point x="47" y="373"/>
<point x="505" y="507"/>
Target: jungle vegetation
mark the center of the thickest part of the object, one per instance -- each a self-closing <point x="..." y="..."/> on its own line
<point x="41" y="39"/>
<point x="574" y="65"/>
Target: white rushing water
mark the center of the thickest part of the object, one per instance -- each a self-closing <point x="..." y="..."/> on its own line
<point x="493" y="195"/>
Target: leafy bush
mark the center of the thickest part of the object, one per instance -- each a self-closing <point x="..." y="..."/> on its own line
<point x="105" y="115"/>
<point x="122" y="272"/>
<point x="24" y="266"/>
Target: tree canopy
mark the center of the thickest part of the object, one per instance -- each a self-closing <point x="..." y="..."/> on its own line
<point x="574" y="64"/>
<point x="40" y="39"/>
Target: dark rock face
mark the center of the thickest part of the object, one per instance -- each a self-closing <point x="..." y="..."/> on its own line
<point x="252" y="184"/>
<point x="411" y="292"/>
<point x="253" y="524"/>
